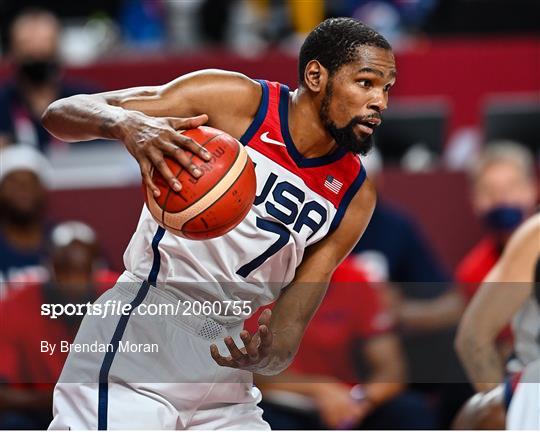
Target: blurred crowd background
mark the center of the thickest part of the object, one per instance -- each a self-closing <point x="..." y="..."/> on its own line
<point x="456" y="166"/>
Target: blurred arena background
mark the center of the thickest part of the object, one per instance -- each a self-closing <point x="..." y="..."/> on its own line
<point x="468" y="76"/>
<point x="469" y="72"/>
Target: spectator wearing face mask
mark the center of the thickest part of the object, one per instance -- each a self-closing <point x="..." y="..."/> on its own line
<point x="504" y="194"/>
<point x="37" y="81"/>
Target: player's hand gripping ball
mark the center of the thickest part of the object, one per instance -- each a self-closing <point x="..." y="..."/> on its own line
<point x="216" y="202"/>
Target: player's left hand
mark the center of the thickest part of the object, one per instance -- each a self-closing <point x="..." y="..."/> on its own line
<point x="255" y="354"/>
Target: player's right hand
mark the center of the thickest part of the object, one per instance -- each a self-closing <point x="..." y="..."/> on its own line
<point x="255" y="355"/>
<point x="150" y="139"/>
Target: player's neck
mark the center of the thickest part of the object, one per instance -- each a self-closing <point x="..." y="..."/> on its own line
<point x="308" y="133"/>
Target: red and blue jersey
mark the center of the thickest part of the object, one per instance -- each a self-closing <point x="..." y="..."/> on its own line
<point x="298" y="202"/>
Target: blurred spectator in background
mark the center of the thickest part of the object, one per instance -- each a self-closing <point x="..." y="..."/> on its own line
<point x="349" y="340"/>
<point x="38" y="81"/>
<point x="28" y="375"/>
<point x="394" y="249"/>
<point x="504" y="193"/>
<point x="427" y="308"/>
<point x="393" y="18"/>
<point x="142" y="23"/>
<point x="214" y="20"/>
<point x="23" y="231"/>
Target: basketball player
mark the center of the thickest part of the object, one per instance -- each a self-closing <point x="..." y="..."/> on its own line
<point x="313" y="203"/>
<point x="511" y="292"/>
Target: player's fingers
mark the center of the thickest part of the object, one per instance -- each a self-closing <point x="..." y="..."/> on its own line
<point x="146" y="172"/>
<point x="250" y="343"/>
<point x="266" y="338"/>
<point x="178" y="123"/>
<point x="264" y="318"/>
<point x="219" y="359"/>
<point x="159" y="162"/>
<point x="185" y="160"/>
<point x="182" y="157"/>
<point x="193" y="146"/>
<point x="236" y="354"/>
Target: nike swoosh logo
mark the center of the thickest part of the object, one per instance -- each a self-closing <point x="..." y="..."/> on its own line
<point x="266" y="139"/>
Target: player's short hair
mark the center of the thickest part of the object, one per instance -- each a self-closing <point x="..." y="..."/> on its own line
<point x="505" y="151"/>
<point x="333" y="43"/>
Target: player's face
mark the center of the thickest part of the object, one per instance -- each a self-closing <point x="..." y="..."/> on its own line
<point x="356" y="95"/>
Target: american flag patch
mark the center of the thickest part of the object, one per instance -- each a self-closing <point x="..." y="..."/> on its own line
<point x="333" y="184"/>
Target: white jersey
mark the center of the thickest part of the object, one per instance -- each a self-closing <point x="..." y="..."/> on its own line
<point x="298" y="202"/>
<point x="524" y="410"/>
<point x="526" y="329"/>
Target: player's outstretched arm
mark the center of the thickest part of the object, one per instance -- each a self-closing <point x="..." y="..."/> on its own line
<point x="272" y="348"/>
<point x="503" y="292"/>
<point x="146" y="119"/>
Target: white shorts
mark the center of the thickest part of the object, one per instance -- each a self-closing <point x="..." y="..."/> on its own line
<point x="524" y="410"/>
<point x="178" y="387"/>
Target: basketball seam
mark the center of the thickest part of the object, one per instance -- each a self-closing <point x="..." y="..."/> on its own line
<point x="235" y="162"/>
<point x="228" y="189"/>
<point x="180" y="172"/>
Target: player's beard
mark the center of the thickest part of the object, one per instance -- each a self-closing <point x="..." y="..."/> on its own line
<point x="345" y="137"/>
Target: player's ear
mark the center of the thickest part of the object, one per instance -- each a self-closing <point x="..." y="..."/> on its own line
<point x="315" y="76"/>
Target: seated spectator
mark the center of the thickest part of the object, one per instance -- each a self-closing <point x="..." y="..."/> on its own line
<point x="349" y="341"/>
<point x="23" y="229"/>
<point x="426" y="306"/>
<point x="27" y="372"/>
<point x="38" y="79"/>
<point x="504" y="193"/>
<point x="394" y="249"/>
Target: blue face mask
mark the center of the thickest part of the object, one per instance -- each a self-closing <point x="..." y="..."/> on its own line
<point x="503" y="218"/>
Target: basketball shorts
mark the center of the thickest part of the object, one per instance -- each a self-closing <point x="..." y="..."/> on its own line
<point x="135" y="371"/>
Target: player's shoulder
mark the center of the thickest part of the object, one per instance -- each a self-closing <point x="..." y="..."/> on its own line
<point x="349" y="170"/>
<point x="224" y="78"/>
<point x="224" y="95"/>
<point x="365" y="194"/>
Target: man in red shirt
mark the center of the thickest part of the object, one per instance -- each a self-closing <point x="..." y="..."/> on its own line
<point x="28" y="366"/>
<point x="350" y="337"/>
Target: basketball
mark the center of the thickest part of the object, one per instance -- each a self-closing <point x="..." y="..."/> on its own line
<point x="213" y="204"/>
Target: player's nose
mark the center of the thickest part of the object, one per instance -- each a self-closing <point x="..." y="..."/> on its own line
<point x="378" y="103"/>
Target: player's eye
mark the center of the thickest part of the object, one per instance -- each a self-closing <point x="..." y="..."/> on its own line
<point x="365" y="83"/>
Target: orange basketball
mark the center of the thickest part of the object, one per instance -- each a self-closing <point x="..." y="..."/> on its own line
<point x="216" y="202"/>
